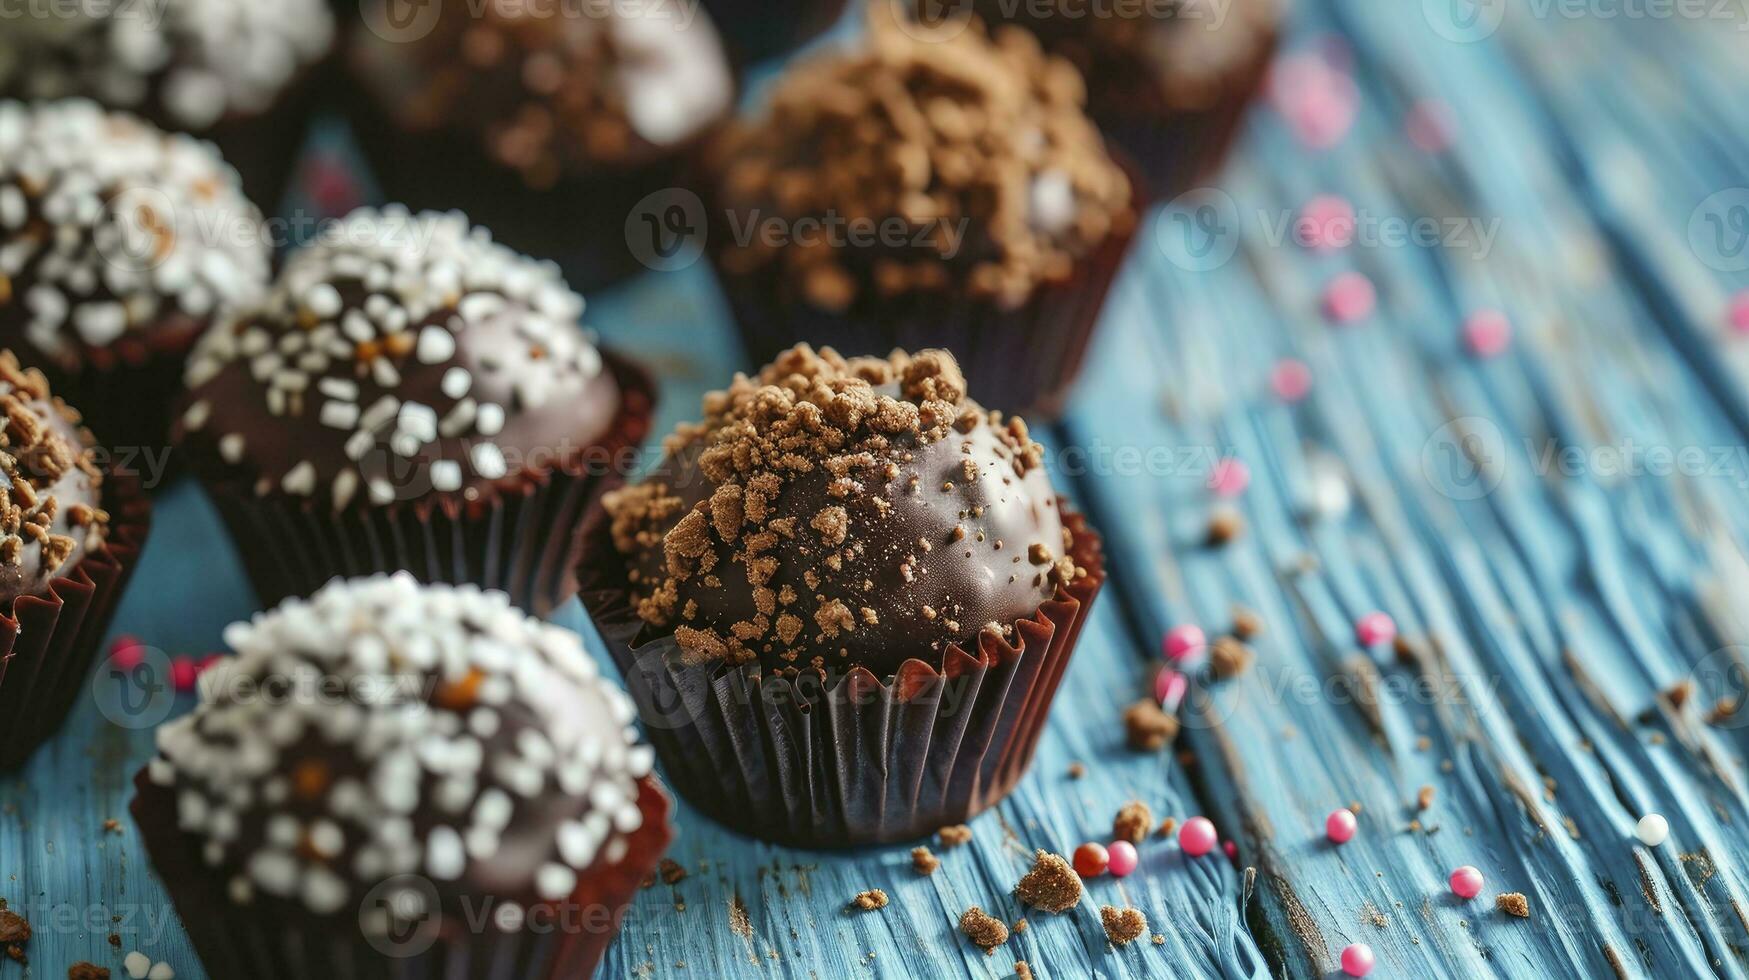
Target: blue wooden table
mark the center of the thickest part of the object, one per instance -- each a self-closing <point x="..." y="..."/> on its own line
<point x="1561" y="532"/>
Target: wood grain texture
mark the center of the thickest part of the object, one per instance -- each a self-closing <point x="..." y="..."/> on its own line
<point x="1561" y="533"/>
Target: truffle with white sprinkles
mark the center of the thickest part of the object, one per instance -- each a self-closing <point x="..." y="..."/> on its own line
<point x="113" y="234"/>
<point x="403" y="354"/>
<point x="185" y="63"/>
<point x="476" y="747"/>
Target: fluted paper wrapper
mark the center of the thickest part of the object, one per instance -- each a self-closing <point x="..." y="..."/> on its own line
<point x="275" y="940"/>
<point x="522" y="540"/>
<point x="856" y="759"/>
<point x="48" y="642"/>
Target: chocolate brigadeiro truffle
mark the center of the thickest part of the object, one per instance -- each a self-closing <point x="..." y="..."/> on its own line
<point x="909" y="192"/>
<point x="119" y="245"/>
<point x="1167" y="82"/>
<point x="399" y="780"/>
<point x="241" y="73"/>
<point x="545" y="123"/>
<point x="69" y="536"/>
<point x="860" y="534"/>
<point x="410" y="395"/>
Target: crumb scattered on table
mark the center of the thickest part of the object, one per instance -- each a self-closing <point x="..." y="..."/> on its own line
<point x="1167" y="826"/>
<point x="1228" y="658"/>
<point x="870" y="900"/>
<point x="1424" y="799"/>
<point x="1246" y="623"/>
<point x="1077" y="770"/>
<point x="1147" y="728"/>
<point x="955" y="835"/>
<point x="1051" y="886"/>
<point x="671" y="871"/>
<point x="1022" y="971"/>
<point x="1122" y="925"/>
<point x="924" y="861"/>
<point x="985" y="931"/>
<point x="1513" y="904"/>
<point x="1133" y="821"/>
<point x="87" y="971"/>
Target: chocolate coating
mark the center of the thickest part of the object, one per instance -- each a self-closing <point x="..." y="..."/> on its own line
<point x="840" y="513"/>
<point x="417" y="357"/>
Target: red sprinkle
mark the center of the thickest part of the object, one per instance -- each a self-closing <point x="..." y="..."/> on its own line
<point x="183" y="673"/>
<point x="1091" y="860"/>
<point x="127" y="652"/>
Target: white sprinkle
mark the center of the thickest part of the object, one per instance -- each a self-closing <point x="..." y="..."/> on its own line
<point x="457" y="381"/>
<point x="340" y="415"/>
<point x="1652" y="830"/>
<point x="323" y="300"/>
<point x="341" y="388"/>
<point x="231" y="448"/>
<point x="489" y="461"/>
<point x="555" y="882"/>
<point x="301" y="481"/>
<point x="161" y="971"/>
<point x="345" y="485"/>
<point x="197" y="415"/>
<point x="490" y="419"/>
<point x="444" y="857"/>
<point x="436" y="345"/>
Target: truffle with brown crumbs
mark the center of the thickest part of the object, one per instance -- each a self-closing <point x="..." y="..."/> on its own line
<point x="1147" y="728"/>
<point x="801" y="524"/>
<point x="1133" y="821"/>
<point x="1051" y="886"/>
<point x="1122" y="925"/>
<point x="985" y="931"/>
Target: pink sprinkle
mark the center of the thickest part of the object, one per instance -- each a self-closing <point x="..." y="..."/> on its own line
<point x="1429" y="126"/>
<point x="1350" y="297"/>
<point x="183" y="673"/>
<point x="1326" y="223"/>
<point x="1375" y="628"/>
<point x="1290" y="379"/>
<point x="1197" y="836"/>
<point x="1340" y="825"/>
<point x="1466" y="882"/>
<point x="1487" y="333"/>
<point x="1169" y="689"/>
<point x="127" y="652"/>
<point x="1231" y="849"/>
<point x="1123" y="858"/>
<point x="1740" y="312"/>
<point x="1316" y="96"/>
<point x="1357" y="960"/>
<point x="1183" y="642"/>
<point x="1229" y="477"/>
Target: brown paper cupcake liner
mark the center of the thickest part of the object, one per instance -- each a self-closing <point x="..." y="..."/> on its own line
<point x="1020" y="361"/>
<point x="275" y="940"/>
<point x="854" y="759"/>
<point x="48" y="642"/>
<point x="523" y="541"/>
